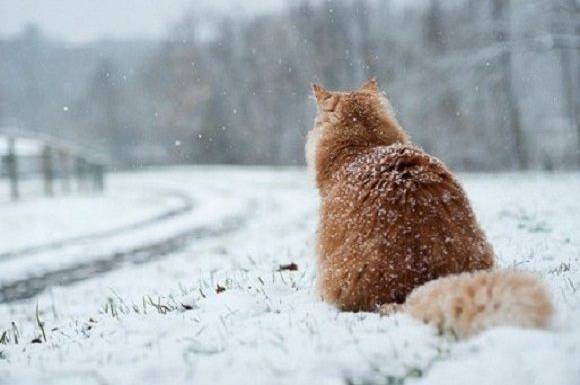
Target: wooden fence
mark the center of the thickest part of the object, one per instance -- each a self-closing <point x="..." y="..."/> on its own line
<point x="27" y="155"/>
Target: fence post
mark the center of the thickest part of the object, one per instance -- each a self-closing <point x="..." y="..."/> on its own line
<point x="100" y="177"/>
<point x="64" y="170"/>
<point x="80" y="173"/>
<point x="94" y="176"/>
<point x="47" y="170"/>
<point x="12" y="168"/>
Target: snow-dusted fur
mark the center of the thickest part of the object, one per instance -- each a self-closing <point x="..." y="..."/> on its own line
<point x="466" y="304"/>
<point x="394" y="218"/>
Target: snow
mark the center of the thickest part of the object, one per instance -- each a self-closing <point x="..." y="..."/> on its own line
<point x="163" y="321"/>
<point x="24" y="224"/>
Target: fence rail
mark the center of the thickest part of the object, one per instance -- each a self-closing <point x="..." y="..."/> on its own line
<point x="29" y="154"/>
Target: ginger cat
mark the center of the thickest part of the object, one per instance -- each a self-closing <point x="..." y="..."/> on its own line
<point x="392" y="217"/>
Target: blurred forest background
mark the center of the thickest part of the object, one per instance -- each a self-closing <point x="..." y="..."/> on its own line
<point x="484" y="85"/>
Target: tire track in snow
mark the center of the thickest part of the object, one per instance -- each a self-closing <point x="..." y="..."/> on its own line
<point x="30" y="287"/>
<point x="186" y="206"/>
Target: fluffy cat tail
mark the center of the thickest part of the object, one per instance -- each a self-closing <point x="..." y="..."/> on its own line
<point x="469" y="303"/>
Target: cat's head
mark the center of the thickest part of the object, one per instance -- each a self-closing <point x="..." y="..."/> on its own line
<point x="360" y="116"/>
<point x="335" y="106"/>
<point x="365" y="112"/>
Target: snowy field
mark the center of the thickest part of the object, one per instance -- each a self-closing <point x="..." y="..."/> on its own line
<point x="172" y="277"/>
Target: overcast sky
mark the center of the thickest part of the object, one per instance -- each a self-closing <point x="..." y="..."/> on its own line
<point x="86" y="20"/>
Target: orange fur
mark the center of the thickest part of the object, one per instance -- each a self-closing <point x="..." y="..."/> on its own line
<point x="468" y="303"/>
<point x="392" y="217"/>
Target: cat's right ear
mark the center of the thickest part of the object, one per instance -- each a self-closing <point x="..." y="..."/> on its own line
<point x="371" y="85"/>
<point x="319" y="93"/>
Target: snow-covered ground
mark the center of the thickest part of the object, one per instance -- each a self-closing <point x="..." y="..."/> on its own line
<point x="164" y="321"/>
<point x="25" y="225"/>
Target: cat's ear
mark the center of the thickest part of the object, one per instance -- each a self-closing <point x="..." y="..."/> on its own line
<point x="320" y="93"/>
<point x="370" y="85"/>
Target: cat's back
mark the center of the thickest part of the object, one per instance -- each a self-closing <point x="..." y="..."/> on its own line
<point x="402" y="174"/>
<point x="397" y="217"/>
<point x="400" y="195"/>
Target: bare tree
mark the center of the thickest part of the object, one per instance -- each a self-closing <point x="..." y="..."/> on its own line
<point x="563" y="27"/>
<point x="501" y="12"/>
<point x="236" y="90"/>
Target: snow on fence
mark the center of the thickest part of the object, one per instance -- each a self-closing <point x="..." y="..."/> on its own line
<point x="29" y="155"/>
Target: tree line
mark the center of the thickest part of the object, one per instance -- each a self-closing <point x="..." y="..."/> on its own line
<point x="484" y="85"/>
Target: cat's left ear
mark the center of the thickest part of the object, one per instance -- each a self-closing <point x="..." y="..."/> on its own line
<point x="371" y="85"/>
<point x="320" y="93"/>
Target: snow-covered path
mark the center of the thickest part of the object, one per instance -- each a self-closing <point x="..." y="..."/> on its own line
<point x="164" y="321"/>
<point x="144" y="217"/>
